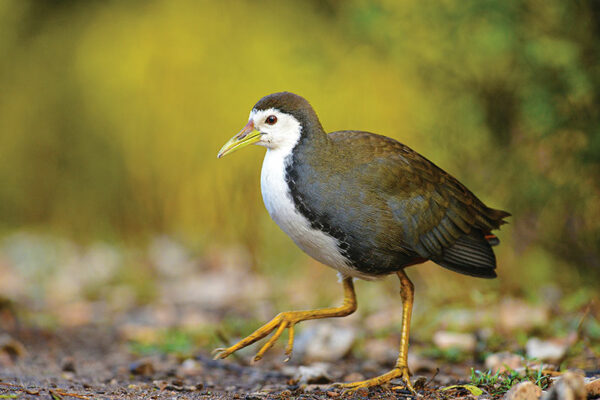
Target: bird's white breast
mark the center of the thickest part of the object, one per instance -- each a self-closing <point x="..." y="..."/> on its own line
<point x="278" y="201"/>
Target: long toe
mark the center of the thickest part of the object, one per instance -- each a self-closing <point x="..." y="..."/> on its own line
<point x="397" y="372"/>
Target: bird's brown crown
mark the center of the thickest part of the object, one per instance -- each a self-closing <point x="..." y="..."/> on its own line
<point x="292" y="104"/>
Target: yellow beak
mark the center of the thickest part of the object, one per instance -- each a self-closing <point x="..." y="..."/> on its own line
<point x="246" y="136"/>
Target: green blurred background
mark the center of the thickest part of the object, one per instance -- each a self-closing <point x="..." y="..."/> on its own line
<point x="112" y="112"/>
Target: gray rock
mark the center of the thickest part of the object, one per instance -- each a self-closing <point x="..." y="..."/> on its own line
<point x="549" y="350"/>
<point x="325" y="341"/>
<point x="314" y="373"/>
<point x="519" y="315"/>
<point x="462" y="341"/>
<point x="570" y="386"/>
<point x="524" y="391"/>
<point x="503" y="361"/>
<point x="593" y="389"/>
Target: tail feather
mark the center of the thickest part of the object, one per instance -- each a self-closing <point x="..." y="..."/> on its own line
<point x="471" y="254"/>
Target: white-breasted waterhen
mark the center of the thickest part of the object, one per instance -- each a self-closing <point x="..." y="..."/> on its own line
<point x="365" y="205"/>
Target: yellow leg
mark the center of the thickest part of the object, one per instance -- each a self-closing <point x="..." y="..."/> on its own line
<point x="287" y="320"/>
<point x="401" y="369"/>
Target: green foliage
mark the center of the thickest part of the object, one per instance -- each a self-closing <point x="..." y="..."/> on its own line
<point x="450" y="355"/>
<point x="111" y="114"/>
<point x="170" y="341"/>
<point x="501" y="382"/>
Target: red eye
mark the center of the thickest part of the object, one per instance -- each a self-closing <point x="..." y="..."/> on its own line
<point x="271" y="120"/>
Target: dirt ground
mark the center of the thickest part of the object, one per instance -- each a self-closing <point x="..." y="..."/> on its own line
<point x="94" y="363"/>
<point x="96" y="329"/>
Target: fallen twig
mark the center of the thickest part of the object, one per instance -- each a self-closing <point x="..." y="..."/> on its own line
<point x="61" y="393"/>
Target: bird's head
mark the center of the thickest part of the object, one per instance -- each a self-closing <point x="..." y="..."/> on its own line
<point x="277" y="121"/>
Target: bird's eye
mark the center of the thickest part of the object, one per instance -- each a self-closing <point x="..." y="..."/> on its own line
<point x="271" y="120"/>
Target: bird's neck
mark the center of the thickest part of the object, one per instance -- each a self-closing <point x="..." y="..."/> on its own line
<point x="311" y="147"/>
<point x="307" y="145"/>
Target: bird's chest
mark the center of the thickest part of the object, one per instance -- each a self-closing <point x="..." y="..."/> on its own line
<point x="282" y="209"/>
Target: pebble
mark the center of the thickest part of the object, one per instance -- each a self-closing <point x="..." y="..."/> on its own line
<point x="462" y="341"/>
<point x="570" y="386"/>
<point x="68" y="364"/>
<point x="381" y="351"/>
<point x="325" y="342"/>
<point x="503" y="361"/>
<point x="144" y="367"/>
<point x="548" y="350"/>
<point x="314" y="373"/>
<point x="593" y="388"/>
<point x="190" y="367"/>
<point x="12" y="347"/>
<point x="524" y="391"/>
<point x="519" y="315"/>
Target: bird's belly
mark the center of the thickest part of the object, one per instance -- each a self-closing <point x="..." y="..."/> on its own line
<point x="278" y="201"/>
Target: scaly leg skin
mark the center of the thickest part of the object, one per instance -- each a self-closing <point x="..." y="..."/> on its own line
<point x="401" y="369"/>
<point x="287" y="320"/>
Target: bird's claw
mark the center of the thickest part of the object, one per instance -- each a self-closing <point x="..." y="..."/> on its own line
<point x="278" y="324"/>
<point x="400" y="371"/>
<point x="219" y="353"/>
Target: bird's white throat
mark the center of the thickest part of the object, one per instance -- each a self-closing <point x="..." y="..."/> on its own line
<point x="282" y="135"/>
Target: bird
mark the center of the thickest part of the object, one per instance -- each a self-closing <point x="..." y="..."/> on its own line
<point x="365" y="205"/>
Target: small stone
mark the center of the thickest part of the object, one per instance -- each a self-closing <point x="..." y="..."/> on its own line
<point x="570" y="386"/>
<point x="593" y="388"/>
<point x="12" y="347"/>
<point x="501" y="362"/>
<point x="362" y="392"/>
<point x="68" y="376"/>
<point x="548" y="350"/>
<point x="381" y="351"/>
<point x="142" y="367"/>
<point x="524" y="391"/>
<point x="190" y="367"/>
<point x="333" y="394"/>
<point x="68" y="364"/>
<point x="255" y="396"/>
<point x="325" y="342"/>
<point x="160" y="385"/>
<point x="519" y="315"/>
<point x="462" y="341"/>
<point x="314" y="373"/>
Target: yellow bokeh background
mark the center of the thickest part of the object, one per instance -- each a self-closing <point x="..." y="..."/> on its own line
<point x="111" y="115"/>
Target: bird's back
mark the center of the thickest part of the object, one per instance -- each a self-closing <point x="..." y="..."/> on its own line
<point x="389" y="207"/>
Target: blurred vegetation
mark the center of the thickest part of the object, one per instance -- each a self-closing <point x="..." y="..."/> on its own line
<point x="111" y="114"/>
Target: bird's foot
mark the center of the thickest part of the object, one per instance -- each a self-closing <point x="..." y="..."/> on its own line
<point x="280" y="322"/>
<point x="400" y="371"/>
